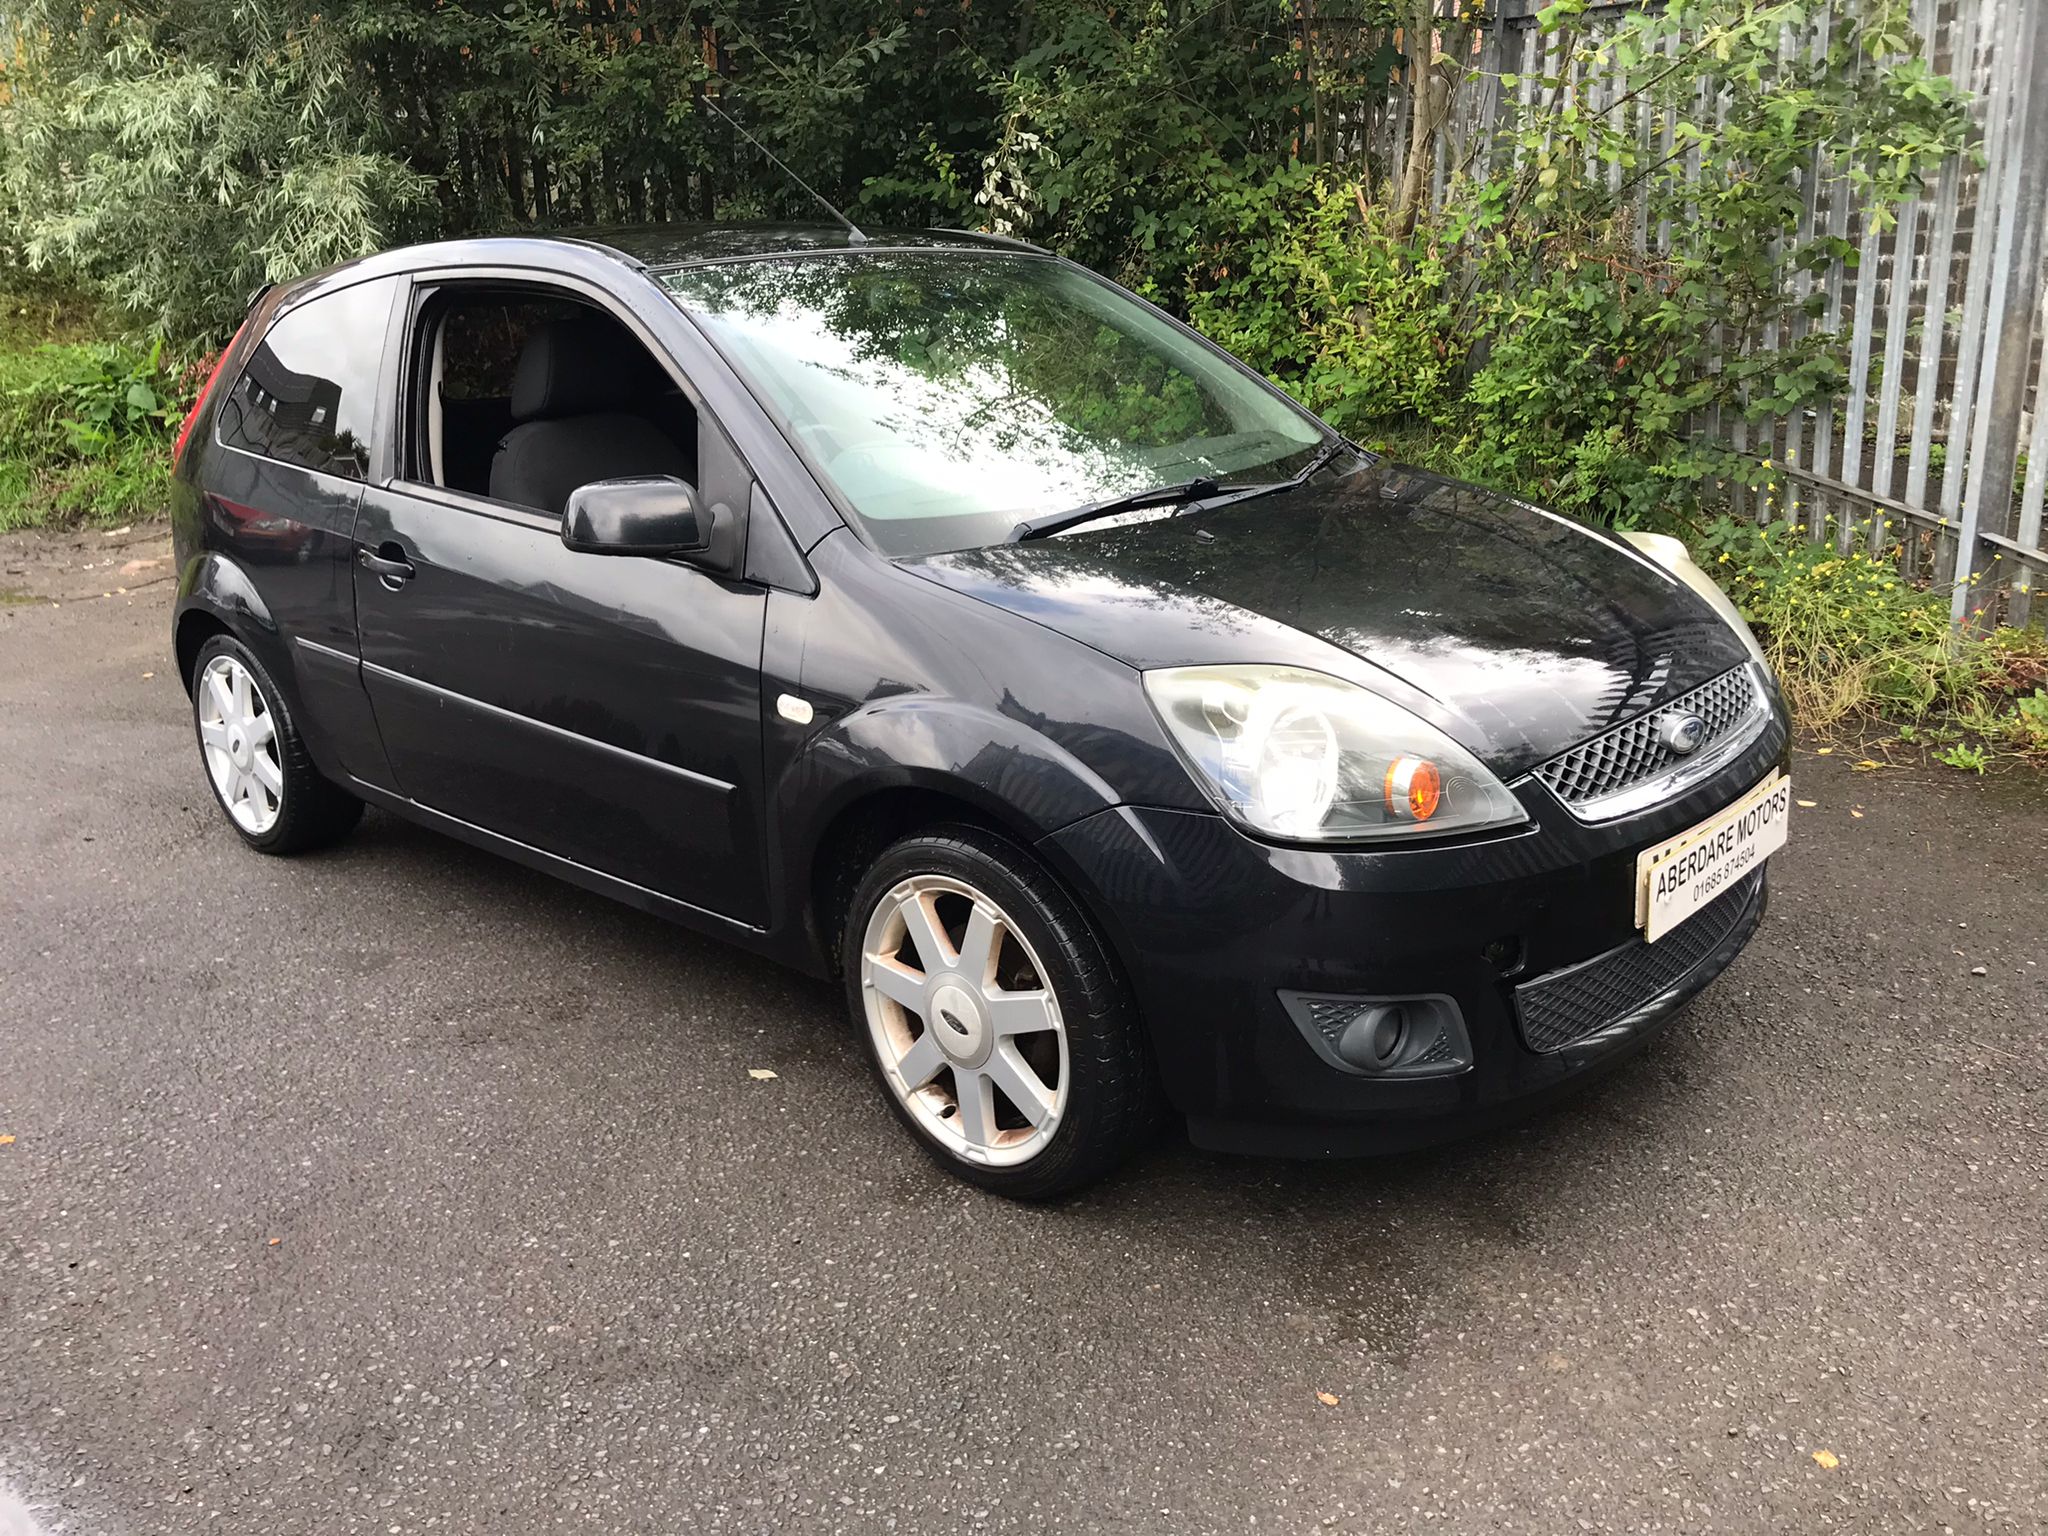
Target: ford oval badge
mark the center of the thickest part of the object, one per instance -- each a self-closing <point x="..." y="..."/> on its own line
<point x="1682" y="734"/>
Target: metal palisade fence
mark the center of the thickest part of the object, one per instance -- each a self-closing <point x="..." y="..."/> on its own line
<point x="1936" y="446"/>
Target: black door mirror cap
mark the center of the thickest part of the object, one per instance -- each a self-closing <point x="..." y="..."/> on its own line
<point x="655" y="516"/>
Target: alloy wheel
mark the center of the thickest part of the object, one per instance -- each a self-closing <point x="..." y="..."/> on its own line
<point x="966" y="1028"/>
<point x="238" y="735"/>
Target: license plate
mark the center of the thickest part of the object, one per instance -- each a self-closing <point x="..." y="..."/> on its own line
<point x="1675" y="879"/>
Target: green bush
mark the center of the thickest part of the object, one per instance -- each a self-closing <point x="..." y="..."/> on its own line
<point x="1853" y="640"/>
<point x="86" y="431"/>
<point x="1324" y="294"/>
<point x="1846" y="634"/>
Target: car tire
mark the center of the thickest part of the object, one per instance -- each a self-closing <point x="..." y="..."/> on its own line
<point x="1085" y="1062"/>
<point x="256" y="761"/>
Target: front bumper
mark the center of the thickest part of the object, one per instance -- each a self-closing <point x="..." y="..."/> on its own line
<point x="1531" y="934"/>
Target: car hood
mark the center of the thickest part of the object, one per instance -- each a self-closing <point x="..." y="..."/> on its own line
<point x="1520" y="632"/>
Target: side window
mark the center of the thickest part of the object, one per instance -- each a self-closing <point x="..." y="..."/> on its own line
<point x="481" y="340"/>
<point x="308" y="394"/>
<point x="521" y="395"/>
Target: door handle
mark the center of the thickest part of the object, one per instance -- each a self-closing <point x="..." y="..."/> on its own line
<point x="388" y="563"/>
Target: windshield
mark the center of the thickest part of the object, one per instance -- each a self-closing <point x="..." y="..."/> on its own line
<point x="950" y="396"/>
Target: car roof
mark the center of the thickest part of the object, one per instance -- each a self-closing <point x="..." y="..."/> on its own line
<point x="681" y="245"/>
<point x="643" y="247"/>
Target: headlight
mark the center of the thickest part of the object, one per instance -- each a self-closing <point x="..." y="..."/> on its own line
<point x="1677" y="559"/>
<point x="1305" y="756"/>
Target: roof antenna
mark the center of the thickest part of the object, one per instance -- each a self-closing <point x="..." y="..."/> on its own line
<point x="852" y="229"/>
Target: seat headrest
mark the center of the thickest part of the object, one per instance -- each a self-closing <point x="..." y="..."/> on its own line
<point x="576" y="368"/>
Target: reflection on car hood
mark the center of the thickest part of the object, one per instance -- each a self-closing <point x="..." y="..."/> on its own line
<point x="1520" y="632"/>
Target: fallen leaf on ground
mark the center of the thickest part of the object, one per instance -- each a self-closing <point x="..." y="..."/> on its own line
<point x="1857" y="814"/>
<point x="6" y="1141"/>
<point x="1823" y="751"/>
<point x="147" y="676"/>
<point x="1827" y="1459"/>
<point x="759" y="1074"/>
<point x="1809" y="802"/>
<point x="1867" y="764"/>
<point x="275" y="1241"/>
<point x="1327" y="1399"/>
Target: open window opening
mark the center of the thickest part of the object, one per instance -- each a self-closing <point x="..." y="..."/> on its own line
<point x="522" y="396"/>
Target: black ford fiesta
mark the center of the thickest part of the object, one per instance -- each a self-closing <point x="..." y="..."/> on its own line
<point x="929" y="612"/>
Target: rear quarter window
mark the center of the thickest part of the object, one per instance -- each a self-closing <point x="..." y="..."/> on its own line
<point x="308" y="393"/>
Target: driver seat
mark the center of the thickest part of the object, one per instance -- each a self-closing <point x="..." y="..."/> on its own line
<point x="572" y="397"/>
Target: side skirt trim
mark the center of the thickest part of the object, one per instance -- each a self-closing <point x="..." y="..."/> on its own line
<point x="554" y="864"/>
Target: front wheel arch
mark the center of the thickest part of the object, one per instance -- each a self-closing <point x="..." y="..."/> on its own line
<point x="857" y="834"/>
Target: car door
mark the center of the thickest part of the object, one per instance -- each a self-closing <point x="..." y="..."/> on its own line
<point x="603" y="710"/>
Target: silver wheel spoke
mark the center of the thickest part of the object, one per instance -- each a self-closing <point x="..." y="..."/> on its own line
<point x="241" y="694"/>
<point x="214" y="734"/>
<point x="261" y="729"/>
<point x="978" y="946"/>
<point x="1020" y="1085"/>
<point x="896" y="981"/>
<point x="266" y="774"/>
<point x="921" y="1063"/>
<point x="921" y="921"/>
<point x="1020" y="1013"/>
<point x="977" y="1107"/>
<point x="223" y="694"/>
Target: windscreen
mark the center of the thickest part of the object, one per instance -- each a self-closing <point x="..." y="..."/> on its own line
<point x="949" y="396"/>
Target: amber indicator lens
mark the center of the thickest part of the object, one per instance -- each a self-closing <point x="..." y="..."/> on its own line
<point x="1414" y="788"/>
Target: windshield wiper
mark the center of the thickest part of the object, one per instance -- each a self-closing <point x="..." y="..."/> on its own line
<point x="1158" y="496"/>
<point x="1317" y="464"/>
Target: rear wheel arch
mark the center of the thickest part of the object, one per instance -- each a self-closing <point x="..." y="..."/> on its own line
<point x="194" y="628"/>
<point x="217" y="597"/>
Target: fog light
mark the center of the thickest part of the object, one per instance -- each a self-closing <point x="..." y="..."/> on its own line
<point x="1374" y="1035"/>
<point x="1404" y="1037"/>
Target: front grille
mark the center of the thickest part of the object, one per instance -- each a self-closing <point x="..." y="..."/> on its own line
<point x="1566" y="1006"/>
<point x="1631" y="753"/>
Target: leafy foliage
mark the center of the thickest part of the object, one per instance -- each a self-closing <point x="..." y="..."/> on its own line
<point x="85" y="430"/>
<point x="1853" y="641"/>
<point x="177" y="157"/>
<point x="176" y="153"/>
<point x="1574" y="308"/>
<point x="1846" y="633"/>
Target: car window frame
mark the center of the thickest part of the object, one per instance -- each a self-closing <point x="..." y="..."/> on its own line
<point x="290" y="302"/>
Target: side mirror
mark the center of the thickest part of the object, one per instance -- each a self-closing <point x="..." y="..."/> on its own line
<point x="656" y="515"/>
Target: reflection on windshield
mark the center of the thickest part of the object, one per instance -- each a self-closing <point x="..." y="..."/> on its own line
<point x="950" y="395"/>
